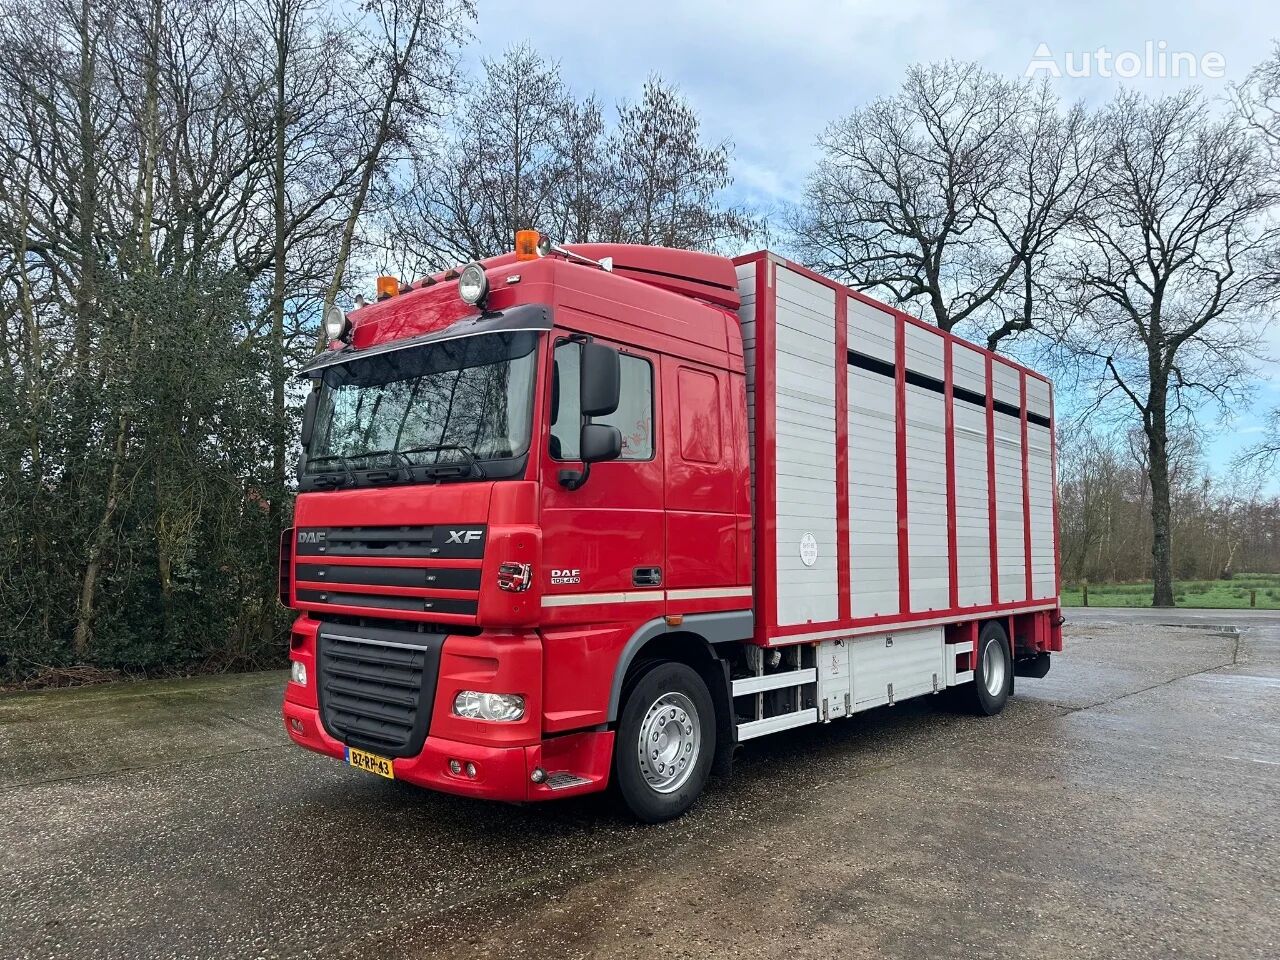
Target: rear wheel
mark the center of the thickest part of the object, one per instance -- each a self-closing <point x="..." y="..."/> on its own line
<point x="993" y="673"/>
<point x="665" y="743"/>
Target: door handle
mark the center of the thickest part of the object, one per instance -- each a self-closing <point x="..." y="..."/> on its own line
<point x="647" y="577"/>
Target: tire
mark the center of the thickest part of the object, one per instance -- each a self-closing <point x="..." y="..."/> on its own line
<point x="671" y="709"/>
<point x="993" y="673"/>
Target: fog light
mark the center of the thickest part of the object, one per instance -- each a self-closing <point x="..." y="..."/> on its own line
<point x="295" y="725"/>
<point x="455" y="767"/>
<point x="471" y="770"/>
<point x="498" y="707"/>
<point x="298" y="673"/>
<point x="538" y="775"/>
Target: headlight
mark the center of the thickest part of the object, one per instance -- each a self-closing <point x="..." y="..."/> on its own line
<point x="336" y="324"/>
<point x="298" y="673"/>
<point x="473" y="285"/>
<point x="500" y="707"/>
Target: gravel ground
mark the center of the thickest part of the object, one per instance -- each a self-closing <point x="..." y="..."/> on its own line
<point x="1124" y="806"/>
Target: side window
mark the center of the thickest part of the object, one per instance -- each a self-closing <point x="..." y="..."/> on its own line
<point x="699" y="416"/>
<point x="633" y="418"/>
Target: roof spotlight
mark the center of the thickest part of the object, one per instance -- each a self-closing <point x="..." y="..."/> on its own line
<point x="473" y="285"/>
<point x="336" y="324"/>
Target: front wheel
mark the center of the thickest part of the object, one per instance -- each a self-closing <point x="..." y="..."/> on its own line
<point x="665" y="743"/>
<point x="993" y="673"/>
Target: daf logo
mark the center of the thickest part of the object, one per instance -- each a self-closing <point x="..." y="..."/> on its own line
<point x="465" y="536"/>
<point x="311" y="536"/>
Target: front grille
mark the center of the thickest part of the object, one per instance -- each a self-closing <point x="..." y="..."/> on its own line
<point x="436" y="578"/>
<point x="399" y="570"/>
<point x="376" y="686"/>
<point x="383" y="602"/>
<point x="454" y="542"/>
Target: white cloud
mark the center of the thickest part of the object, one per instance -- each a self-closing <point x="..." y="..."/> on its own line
<point x="769" y="76"/>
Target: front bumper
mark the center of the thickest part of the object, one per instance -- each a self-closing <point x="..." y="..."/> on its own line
<point x="502" y="773"/>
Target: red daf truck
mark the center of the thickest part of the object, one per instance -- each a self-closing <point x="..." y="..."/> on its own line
<point x="573" y="517"/>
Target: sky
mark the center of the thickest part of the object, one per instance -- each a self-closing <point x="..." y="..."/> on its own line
<point x="768" y="75"/>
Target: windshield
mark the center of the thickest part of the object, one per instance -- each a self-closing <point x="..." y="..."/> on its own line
<point x="457" y="403"/>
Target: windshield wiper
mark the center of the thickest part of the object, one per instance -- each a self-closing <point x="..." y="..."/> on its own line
<point x="443" y="468"/>
<point x="347" y="470"/>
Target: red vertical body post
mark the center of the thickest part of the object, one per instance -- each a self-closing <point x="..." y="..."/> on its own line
<point x="766" y="507"/>
<point x="1053" y="479"/>
<point x="843" y="559"/>
<point x="1026" y="483"/>
<point x="900" y="425"/>
<point x="991" y="486"/>
<point x="948" y="398"/>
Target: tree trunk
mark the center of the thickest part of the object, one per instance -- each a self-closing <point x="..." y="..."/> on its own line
<point x="89" y="583"/>
<point x="279" y="272"/>
<point x="1158" y="472"/>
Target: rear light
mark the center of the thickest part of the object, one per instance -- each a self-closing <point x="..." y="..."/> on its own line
<point x="514" y="577"/>
<point x="286" y="564"/>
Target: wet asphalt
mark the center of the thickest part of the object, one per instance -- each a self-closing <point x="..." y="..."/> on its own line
<point x="1127" y="805"/>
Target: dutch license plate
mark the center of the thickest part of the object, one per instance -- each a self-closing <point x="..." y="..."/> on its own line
<point x="370" y="763"/>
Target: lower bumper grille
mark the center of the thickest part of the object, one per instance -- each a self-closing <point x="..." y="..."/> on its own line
<point x="376" y="686"/>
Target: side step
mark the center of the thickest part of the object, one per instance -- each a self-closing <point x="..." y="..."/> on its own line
<point x="563" y="780"/>
<point x="784" y="721"/>
<point x="774" y="681"/>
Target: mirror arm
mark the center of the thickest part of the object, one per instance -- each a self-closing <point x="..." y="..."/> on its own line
<point x="573" y="479"/>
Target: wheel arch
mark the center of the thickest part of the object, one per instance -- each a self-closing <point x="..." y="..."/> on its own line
<point x="693" y="641"/>
<point x="696" y="642"/>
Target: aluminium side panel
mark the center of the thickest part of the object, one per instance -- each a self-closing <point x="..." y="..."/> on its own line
<point x="806" y="556"/>
<point x="973" y="538"/>
<point x="872" y="476"/>
<point x="926" y="471"/>
<point x="1040" y="481"/>
<point x="1010" y="542"/>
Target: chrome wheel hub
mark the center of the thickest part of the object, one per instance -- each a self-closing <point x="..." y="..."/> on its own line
<point x="670" y="742"/>
<point x="993" y="666"/>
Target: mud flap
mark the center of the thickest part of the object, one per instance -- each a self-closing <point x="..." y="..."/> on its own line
<point x="1035" y="667"/>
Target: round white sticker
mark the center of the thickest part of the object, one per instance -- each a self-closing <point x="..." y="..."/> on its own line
<point x="808" y="550"/>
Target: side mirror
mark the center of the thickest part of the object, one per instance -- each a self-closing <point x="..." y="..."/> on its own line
<point x="599" y="442"/>
<point x="309" y="415"/>
<point x="596" y="442"/>
<point x="600" y="380"/>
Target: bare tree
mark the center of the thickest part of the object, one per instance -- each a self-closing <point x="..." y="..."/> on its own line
<point x="949" y="195"/>
<point x="1258" y="102"/>
<point x="1167" y="274"/>
<point x="523" y="152"/>
<point x="396" y="95"/>
<point x="666" y="179"/>
<point x="496" y="173"/>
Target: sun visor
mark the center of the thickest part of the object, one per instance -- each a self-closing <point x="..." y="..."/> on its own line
<point x="526" y="316"/>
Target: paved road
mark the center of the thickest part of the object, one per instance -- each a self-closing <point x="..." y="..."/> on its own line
<point x="1125" y="806"/>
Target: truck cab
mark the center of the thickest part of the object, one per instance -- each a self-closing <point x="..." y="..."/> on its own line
<point x="523" y="509"/>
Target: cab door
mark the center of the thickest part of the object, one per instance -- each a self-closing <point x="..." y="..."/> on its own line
<point x="603" y="544"/>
